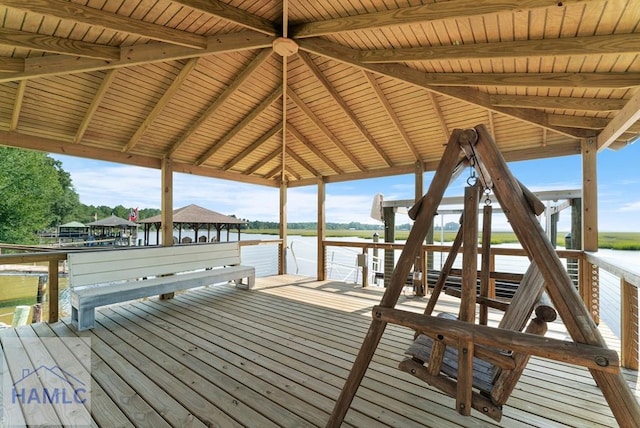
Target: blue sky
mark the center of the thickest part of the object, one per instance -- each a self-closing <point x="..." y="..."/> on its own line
<point x="102" y="183"/>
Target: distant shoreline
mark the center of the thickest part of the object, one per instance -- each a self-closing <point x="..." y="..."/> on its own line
<point x="629" y="241"/>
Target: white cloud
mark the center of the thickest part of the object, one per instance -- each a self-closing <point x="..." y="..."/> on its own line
<point x="631" y="206"/>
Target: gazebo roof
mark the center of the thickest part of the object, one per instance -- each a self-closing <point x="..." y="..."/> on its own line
<point x="113" y="221"/>
<point x="270" y="91"/>
<point x="75" y="224"/>
<point x="194" y="214"/>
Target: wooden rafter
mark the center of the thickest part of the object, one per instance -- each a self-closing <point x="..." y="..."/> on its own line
<point x="392" y="114"/>
<point x="95" y="103"/>
<point x="626" y="117"/>
<point x="424" y="80"/>
<point x="75" y="12"/>
<point x="162" y="103"/>
<point x="313" y="149"/>
<point x="419" y="14"/>
<point x="260" y="141"/>
<point x="583" y="104"/>
<point x="17" y="105"/>
<point x="593" y="45"/>
<point x="344" y="107"/>
<point x="232" y="14"/>
<point x="236" y="83"/>
<point x="22" y="39"/>
<point x="53" y="65"/>
<point x="302" y="162"/>
<point x="327" y="132"/>
<point x="274" y="154"/>
<point x="265" y="104"/>
<point x="441" y="120"/>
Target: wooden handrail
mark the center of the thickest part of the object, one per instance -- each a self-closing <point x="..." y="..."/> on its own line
<point x="52" y="258"/>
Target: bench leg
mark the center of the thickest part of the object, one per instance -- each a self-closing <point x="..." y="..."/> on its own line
<point x="251" y="282"/>
<point x="83" y="319"/>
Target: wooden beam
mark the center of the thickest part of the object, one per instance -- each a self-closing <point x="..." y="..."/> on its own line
<point x="626" y="117"/>
<point x="54" y="65"/>
<point x="344" y="107"/>
<point x="15" y="139"/>
<point x="420" y="14"/>
<point x="392" y="114"/>
<point x="12" y="65"/>
<point x="542" y="80"/>
<point x="235" y="84"/>
<point x="302" y="162"/>
<point x="561" y="103"/>
<point x="75" y="12"/>
<point x="313" y="149"/>
<point x="592" y="45"/>
<point x="257" y="111"/>
<point x="585" y="355"/>
<point x="425" y="80"/>
<point x="95" y="103"/>
<point x="325" y="130"/>
<point x="577" y="121"/>
<point x="260" y="141"/>
<point x="17" y="105"/>
<point x="322" y="229"/>
<point x="43" y="43"/>
<point x="232" y="14"/>
<point x="167" y="96"/>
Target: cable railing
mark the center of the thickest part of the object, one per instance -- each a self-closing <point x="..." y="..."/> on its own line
<point x="609" y="291"/>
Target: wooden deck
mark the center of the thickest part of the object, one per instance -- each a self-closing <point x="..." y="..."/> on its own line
<point x="278" y="356"/>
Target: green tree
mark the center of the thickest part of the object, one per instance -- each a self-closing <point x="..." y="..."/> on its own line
<point x="32" y="194"/>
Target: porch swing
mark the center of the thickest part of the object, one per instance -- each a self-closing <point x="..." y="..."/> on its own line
<point x="478" y="365"/>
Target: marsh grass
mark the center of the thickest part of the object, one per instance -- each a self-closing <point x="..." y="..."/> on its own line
<point x="612" y="240"/>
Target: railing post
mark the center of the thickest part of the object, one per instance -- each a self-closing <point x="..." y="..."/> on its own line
<point x="629" y="324"/>
<point x="365" y="267"/>
<point x="52" y="291"/>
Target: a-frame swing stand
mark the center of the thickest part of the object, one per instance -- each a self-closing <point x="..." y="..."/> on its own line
<point x="472" y="346"/>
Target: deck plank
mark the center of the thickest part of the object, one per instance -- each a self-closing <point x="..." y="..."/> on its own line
<point x="279" y="355"/>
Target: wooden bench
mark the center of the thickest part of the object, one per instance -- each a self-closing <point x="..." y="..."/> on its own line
<point x="99" y="278"/>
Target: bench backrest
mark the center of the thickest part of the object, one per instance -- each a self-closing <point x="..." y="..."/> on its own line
<point x="97" y="267"/>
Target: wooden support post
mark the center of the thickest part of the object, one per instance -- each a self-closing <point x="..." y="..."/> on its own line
<point x="424" y="218"/>
<point x="282" y="255"/>
<point x="52" y="291"/>
<point x="167" y="209"/>
<point x="322" y="227"/>
<point x="469" y="255"/>
<point x="629" y="324"/>
<point x="566" y="299"/>
<point x="485" y="267"/>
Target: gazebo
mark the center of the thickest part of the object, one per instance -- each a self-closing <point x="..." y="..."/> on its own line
<point x="113" y="230"/>
<point x="196" y="218"/>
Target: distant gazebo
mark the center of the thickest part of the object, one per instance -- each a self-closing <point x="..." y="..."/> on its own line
<point x="193" y="217"/>
<point x="113" y="230"/>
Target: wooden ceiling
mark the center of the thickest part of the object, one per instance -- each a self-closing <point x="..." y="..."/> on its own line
<point x="264" y="91"/>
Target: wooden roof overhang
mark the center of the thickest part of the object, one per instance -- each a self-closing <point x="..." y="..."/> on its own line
<point x="272" y="92"/>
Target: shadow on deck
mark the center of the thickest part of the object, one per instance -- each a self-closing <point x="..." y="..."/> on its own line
<point x="278" y="356"/>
